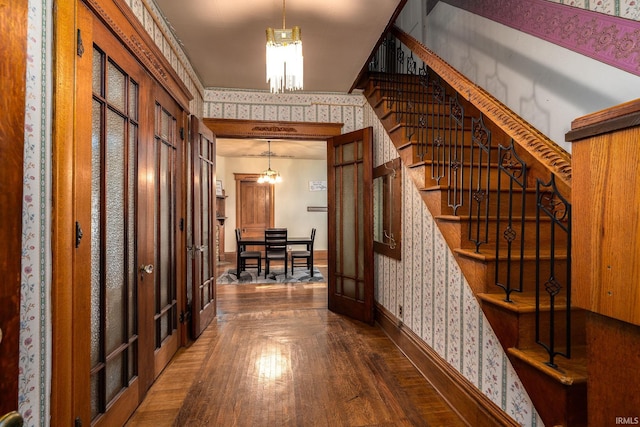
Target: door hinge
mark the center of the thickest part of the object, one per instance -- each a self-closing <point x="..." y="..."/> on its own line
<point x="181" y="224"/>
<point x="78" y="234"/>
<point x="182" y="133"/>
<point x="78" y="422"/>
<point x="80" y="47"/>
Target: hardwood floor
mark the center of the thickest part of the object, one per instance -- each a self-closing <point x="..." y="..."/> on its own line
<point x="275" y="356"/>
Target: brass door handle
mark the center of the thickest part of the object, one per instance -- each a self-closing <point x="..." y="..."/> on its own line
<point x="145" y="269"/>
<point x="12" y="419"/>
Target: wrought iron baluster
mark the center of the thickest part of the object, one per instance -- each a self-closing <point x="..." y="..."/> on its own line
<point x="514" y="169"/>
<point x="435" y="125"/>
<point x="479" y="185"/>
<point x="423" y="99"/>
<point x="557" y="210"/>
<point x="455" y="193"/>
<point x="410" y="96"/>
<point x="399" y="83"/>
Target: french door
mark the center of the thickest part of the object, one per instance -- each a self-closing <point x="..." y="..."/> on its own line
<point x="350" y="212"/>
<point x="203" y="254"/>
<point x="127" y="265"/>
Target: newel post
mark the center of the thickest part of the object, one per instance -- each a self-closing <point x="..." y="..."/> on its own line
<point x="605" y="264"/>
<point x="606" y="206"/>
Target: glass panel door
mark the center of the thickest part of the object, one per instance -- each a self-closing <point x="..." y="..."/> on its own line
<point x="204" y="221"/>
<point x="114" y="330"/>
<point x="350" y="255"/>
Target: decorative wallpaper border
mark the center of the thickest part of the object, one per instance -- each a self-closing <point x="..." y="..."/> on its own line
<point x="609" y="39"/>
<point x="35" y="346"/>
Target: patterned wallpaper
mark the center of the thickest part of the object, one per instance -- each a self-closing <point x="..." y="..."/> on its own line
<point x="438" y="304"/>
<point x="629" y="9"/>
<point x="35" y="345"/>
<point x="250" y="105"/>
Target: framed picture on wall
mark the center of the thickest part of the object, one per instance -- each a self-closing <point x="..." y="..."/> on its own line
<point x="219" y="188"/>
<point x="317" y="185"/>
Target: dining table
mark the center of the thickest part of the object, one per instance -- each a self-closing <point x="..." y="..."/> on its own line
<point x="291" y="241"/>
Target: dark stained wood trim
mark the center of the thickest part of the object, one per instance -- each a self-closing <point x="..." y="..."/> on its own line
<point x="234" y="128"/>
<point x="117" y="16"/>
<point x="609" y="120"/>
<point x="463" y="397"/>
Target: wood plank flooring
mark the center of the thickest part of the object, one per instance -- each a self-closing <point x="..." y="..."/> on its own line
<point x="275" y="356"/>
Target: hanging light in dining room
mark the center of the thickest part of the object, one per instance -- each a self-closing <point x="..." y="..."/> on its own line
<point x="284" y="58"/>
<point x="269" y="176"/>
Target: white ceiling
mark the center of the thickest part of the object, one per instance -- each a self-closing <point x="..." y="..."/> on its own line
<point x="225" y="39"/>
<point x="225" y="43"/>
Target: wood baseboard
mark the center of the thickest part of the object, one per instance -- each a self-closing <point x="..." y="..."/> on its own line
<point x="474" y="408"/>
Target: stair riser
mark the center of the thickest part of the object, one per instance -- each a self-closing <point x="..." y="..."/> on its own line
<point x="518" y="330"/>
<point x="484" y="274"/>
<point x="557" y="404"/>
<point x="465" y="229"/>
<point x="445" y="198"/>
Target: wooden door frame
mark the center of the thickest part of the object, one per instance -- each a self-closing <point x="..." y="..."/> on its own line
<point x="67" y="299"/>
<point x="270" y="129"/>
<point x="267" y="129"/>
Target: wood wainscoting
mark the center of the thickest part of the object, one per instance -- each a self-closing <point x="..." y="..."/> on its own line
<point x="467" y="400"/>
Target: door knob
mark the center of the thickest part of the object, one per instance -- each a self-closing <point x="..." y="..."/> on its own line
<point x="11" y="419"/>
<point x="146" y="268"/>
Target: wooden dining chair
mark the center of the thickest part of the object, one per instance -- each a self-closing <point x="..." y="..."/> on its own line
<point x="305" y="255"/>
<point x="247" y="256"/>
<point x="275" y="248"/>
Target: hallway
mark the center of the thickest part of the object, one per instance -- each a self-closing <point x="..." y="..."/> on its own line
<point x="275" y="356"/>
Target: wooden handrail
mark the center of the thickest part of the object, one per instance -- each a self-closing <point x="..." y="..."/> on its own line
<point x="543" y="149"/>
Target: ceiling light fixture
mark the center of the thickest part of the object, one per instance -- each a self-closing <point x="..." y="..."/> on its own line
<point x="269" y="176"/>
<point x="284" y="58"/>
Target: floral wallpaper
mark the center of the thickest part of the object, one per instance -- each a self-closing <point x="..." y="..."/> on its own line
<point x="296" y="107"/>
<point x="438" y="304"/>
<point x="629" y="9"/>
<point x="35" y="320"/>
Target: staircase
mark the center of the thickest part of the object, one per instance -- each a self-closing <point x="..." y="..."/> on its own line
<point x="500" y="193"/>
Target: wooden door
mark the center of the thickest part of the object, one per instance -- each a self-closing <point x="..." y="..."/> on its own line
<point x="13" y="25"/>
<point x="126" y="263"/>
<point x="112" y="239"/>
<point x="167" y="245"/>
<point x="255" y="206"/>
<point x="350" y="195"/>
<point x="203" y="249"/>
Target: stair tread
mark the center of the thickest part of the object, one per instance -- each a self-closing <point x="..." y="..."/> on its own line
<point x="521" y="302"/>
<point x="487" y="254"/>
<point x="464" y="218"/>
<point x="444" y="187"/>
<point x="569" y="371"/>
